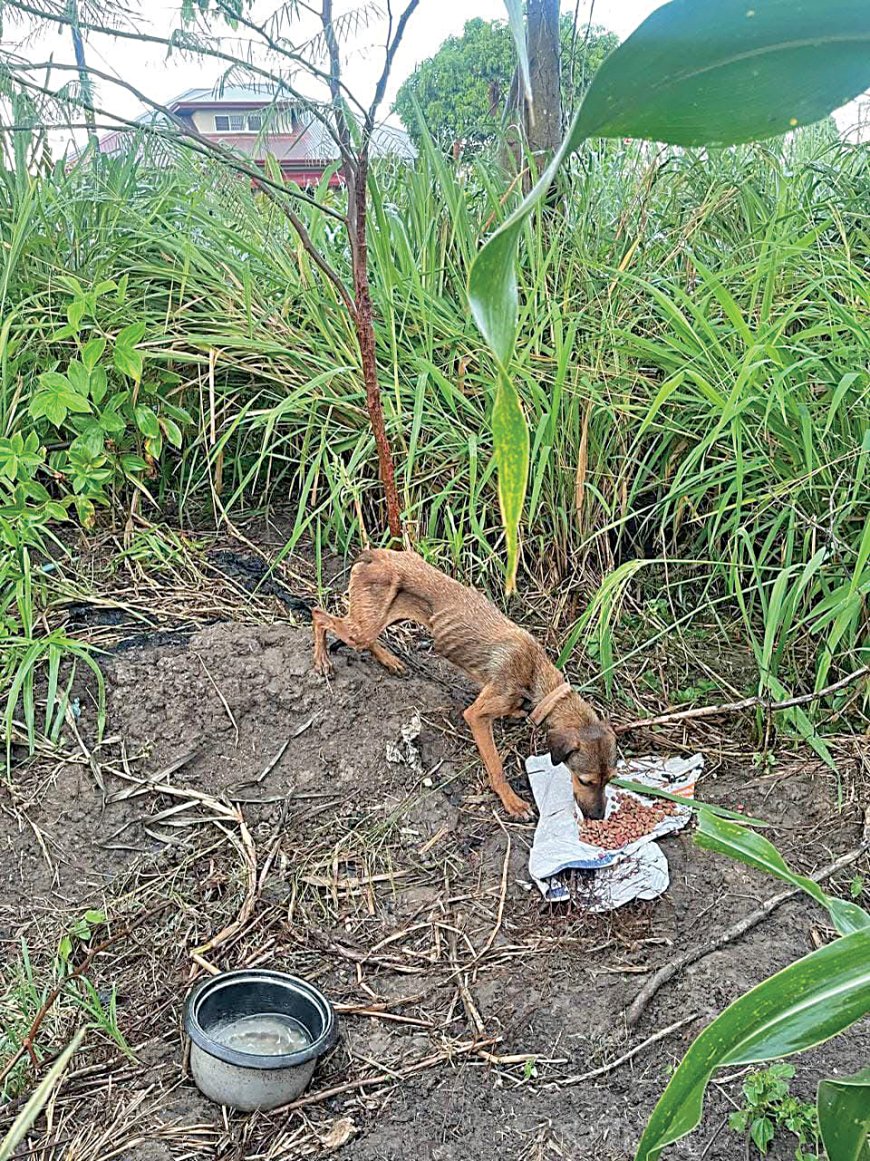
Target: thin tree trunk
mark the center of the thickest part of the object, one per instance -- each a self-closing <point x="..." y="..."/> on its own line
<point x="84" y="76"/>
<point x="365" y="333"/>
<point x="544" y="112"/>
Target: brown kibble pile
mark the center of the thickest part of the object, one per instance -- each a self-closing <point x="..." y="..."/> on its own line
<point x="630" y="821"/>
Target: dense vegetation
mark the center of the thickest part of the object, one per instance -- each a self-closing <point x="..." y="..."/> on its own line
<point x="694" y="367"/>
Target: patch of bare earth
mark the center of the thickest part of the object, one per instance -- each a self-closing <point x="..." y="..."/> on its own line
<point x="242" y="812"/>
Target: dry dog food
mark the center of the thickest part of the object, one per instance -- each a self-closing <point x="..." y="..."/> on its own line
<point x="630" y="820"/>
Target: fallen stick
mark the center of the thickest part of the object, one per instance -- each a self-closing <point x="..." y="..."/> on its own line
<point x="381" y="1014"/>
<point x="391" y="1077"/>
<point x="520" y="1058"/>
<point x="624" y="1059"/>
<point x="670" y="969"/>
<point x="732" y="707"/>
<point x="354" y="955"/>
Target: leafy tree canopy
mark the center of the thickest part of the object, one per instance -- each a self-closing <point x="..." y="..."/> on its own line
<point x="462" y="89"/>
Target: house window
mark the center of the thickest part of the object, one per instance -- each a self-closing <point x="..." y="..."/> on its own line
<point x="233" y="123"/>
<point x="255" y="123"/>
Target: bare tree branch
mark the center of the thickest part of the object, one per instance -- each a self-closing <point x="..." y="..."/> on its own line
<point x="335" y="88"/>
<point x="188" y="133"/>
<point x="393" y="43"/>
<point x="290" y="54"/>
<point x="177" y="44"/>
<point x="732" y="707"/>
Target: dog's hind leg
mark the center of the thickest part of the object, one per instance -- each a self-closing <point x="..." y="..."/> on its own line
<point x="373" y="588"/>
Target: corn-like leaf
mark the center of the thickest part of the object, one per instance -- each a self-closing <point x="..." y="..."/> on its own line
<point x="844" y="1116"/>
<point x="21" y="1124"/>
<point x="803" y="1005"/>
<point x="694" y="73"/>
<point x="511" y="437"/>
<point x="518" y="31"/>
<point x="693" y="803"/>
<point x="727" y="838"/>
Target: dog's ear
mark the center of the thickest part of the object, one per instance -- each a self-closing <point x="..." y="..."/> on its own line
<point x="561" y="743"/>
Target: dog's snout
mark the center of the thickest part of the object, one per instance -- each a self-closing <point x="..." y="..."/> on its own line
<point x="591" y="800"/>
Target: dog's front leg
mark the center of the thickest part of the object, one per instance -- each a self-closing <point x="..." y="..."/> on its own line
<point x="480" y="716"/>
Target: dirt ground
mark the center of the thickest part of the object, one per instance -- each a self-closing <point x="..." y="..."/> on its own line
<point x="242" y="807"/>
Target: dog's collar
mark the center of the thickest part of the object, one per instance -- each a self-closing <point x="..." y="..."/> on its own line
<point x="547" y="703"/>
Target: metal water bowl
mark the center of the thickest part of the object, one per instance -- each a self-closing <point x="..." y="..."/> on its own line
<point x="256" y="1037"/>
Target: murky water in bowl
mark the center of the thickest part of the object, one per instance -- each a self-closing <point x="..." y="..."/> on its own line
<point x="263" y="1034"/>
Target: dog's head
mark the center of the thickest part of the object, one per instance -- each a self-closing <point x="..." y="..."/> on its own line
<point x="589" y="752"/>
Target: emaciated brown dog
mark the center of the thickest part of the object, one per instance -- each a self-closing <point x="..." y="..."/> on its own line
<point x="516" y="676"/>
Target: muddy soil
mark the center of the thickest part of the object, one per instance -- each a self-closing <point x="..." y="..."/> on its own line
<point x="384" y="871"/>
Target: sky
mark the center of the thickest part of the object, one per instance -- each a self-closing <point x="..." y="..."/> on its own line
<point x="148" y="69"/>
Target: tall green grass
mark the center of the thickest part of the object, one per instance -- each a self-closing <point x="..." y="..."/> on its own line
<point x="693" y="361"/>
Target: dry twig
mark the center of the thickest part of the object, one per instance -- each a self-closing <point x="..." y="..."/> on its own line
<point x="712" y="711"/>
<point x="673" y="966"/>
<point x="630" y="1055"/>
<point x="390" y="1077"/>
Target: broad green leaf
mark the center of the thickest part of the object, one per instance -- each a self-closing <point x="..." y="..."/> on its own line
<point x="111" y="421"/>
<point x="130" y="335"/>
<point x="54" y="381"/>
<point x="512" y="457"/>
<point x="146" y="421"/>
<point x="492" y="283"/>
<point x="844" y="1116"/>
<point x="128" y="361"/>
<point x="79" y="377"/>
<point x="177" y="413"/>
<point x="35" y="491"/>
<point x="99" y="384"/>
<point x="74" y="402"/>
<point x="726" y="838"/>
<point x="93" y="352"/>
<point x="92" y="439"/>
<point x="22" y="1123"/>
<point x="75" y="312"/>
<point x="172" y="430"/>
<point x="133" y="464"/>
<point x="694" y="73"/>
<point x="761" y="1132"/>
<point x="85" y="510"/>
<point x="801" y="1006"/>
<point x="48" y="404"/>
